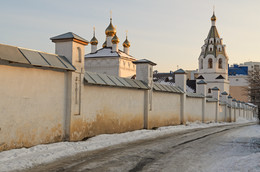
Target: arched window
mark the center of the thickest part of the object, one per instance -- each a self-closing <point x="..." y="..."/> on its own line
<point x="79" y="54"/>
<point x="201" y="63"/>
<point x="220" y="64"/>
<point x="210" y="63"/>
<point x="209" y="90"/>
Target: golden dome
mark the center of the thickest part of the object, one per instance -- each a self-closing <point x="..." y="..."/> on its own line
<point x="213" y="18"/>
<point x="115" y="40"/>
<point x="104" y="44"/>
<point x="126" y="43"/>
<point x="94" y="41"/>
<point x="110" y="30"/>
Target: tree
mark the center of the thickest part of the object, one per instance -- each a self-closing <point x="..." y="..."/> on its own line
<point x="254" y="88"/>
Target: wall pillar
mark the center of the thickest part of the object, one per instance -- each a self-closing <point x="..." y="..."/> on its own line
<point x="180" y="81"/>
<point x="215" y="95"/>
<point x="230" y="109"/>
<point x="202" y="89"/>
<point x="144" y="72"/>
<point x="72" y="47"/>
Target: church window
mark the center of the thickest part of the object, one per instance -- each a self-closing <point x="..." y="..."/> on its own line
<point x="79" y="54"/>
<point x="201" y="63"/>
<point x="210" y="63"/>
<point x="209" y="90"/>
<point x="220" y="64"/>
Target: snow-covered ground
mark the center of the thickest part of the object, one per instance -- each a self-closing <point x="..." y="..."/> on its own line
<point x="27" y="157"/>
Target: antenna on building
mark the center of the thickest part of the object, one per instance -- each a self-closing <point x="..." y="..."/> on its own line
<point x="126" y="33"/>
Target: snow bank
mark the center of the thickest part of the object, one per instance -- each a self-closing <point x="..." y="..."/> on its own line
<point x="28" y="157"/>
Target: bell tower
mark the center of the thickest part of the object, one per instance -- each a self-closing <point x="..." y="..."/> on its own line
<point x="213" y="60"/>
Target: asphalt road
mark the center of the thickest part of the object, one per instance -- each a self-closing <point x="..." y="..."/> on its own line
<point x="192" y="150"/>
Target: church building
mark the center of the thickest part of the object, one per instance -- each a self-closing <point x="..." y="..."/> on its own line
<point x="213" y="61"/>
<point x="110" y="59"/>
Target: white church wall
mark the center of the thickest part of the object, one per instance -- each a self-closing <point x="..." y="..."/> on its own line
<point x="32" y="106"/>
<point x="165" y="110"/>
<point x="109" y="66"/>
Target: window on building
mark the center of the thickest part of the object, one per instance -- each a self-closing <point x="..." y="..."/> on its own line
<point x="79" y="54"/>
<point x="220" y="64"/>
<point x="209" y="90"/>
<point x="210" y="63"/>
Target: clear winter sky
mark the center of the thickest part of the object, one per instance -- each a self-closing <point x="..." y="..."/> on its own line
<point x="167" y="32"/>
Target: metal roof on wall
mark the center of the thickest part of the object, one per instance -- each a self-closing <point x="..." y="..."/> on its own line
<point x="166" y="88"/>
<point x="196" y="95"/>
<point x="34" y="58"/>
<point x="114" y="81"/>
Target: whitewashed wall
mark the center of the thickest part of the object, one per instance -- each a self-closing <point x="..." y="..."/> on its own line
<point x="194" y="109"/>
<point x="32" y="106"/>
<point x="108" y="110"/>
<point x="210" y="111"/>
<point x="165" y="109"/>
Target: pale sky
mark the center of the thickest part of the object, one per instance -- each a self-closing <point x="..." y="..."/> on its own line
<point x="167" y="32"/>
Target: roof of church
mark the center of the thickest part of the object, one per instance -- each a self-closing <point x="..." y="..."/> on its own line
<point x="200" y="77"/>
<point x="213" y="33"/>
<point x="220" y="77"/>
<point x="107" y="52"/>
<point x="69" y="35"/>
<point x="12" y="55"/>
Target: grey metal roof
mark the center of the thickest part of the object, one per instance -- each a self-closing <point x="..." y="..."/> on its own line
<point x="35" y="58"/>
<point x="144" y="61"/>
<point x="113" y="81"/>
<point x="180" y="71"/>
<point x="68" y="35"/>
<point x="196" y="95"/>
<point x="211" y="100"/>
<point x="224" y="93"/>
<point x="166" y="88"/>
<point x="215" y="88"/>
<point x="201" y="82"/>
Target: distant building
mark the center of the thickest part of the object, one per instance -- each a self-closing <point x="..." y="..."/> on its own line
<point x="237" y="75"/>
<point x="110" y="59"/>
<point x="213" y="61"/>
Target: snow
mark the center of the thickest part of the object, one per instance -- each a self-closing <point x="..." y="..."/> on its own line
<point x="107" y="52"/>
<point x="28" y="157"/>
<point x="103" y="52"/>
